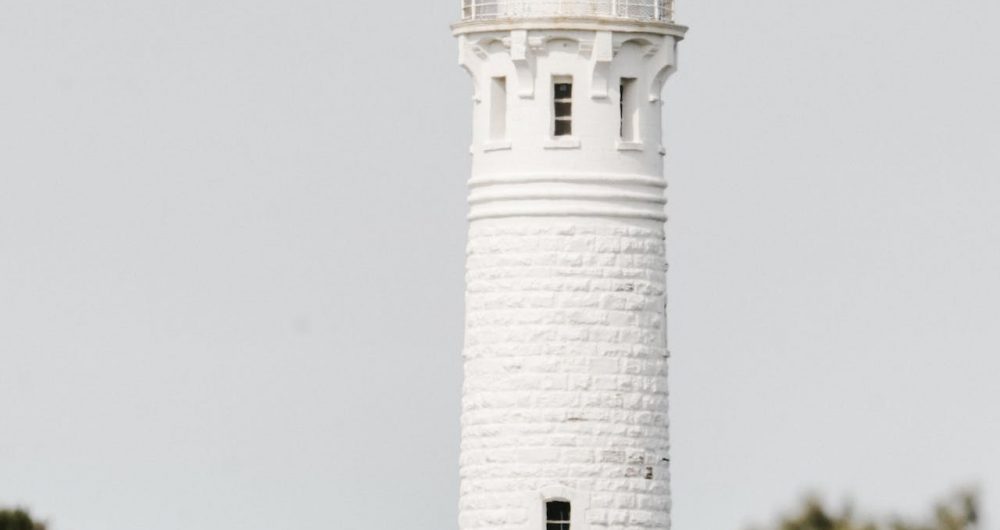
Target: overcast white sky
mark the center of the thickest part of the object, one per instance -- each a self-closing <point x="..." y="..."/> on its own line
<point x="231" y="260"/>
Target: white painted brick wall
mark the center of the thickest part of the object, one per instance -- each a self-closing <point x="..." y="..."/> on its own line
<point x="565" y="371"/>
<point x="565" y="393"/>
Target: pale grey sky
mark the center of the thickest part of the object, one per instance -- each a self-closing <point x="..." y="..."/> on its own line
<point x="231" y="256"/>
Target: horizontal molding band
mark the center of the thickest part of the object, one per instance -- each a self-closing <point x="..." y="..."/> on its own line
<point x="567" y="211"/>
<point x="570" y="22"/>
<point x="488" y="197"/>
<point x="582" y="178"/>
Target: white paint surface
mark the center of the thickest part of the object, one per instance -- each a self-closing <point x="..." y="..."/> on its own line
<point x="565" y="393"/>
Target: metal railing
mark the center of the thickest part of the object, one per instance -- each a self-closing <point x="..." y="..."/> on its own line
<point x="657" y="10"/>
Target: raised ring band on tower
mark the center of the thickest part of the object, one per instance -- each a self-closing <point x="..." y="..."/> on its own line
<point x="655" y="10"/>
<point x="541" y="195"/>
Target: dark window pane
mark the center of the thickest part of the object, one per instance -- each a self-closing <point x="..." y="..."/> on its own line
<point x="564" y="128"/>
<point x="557" y="511"/>
<point x="564" y="110"/>
<point x="621" y="110"/>
<point x="564" y="90"/>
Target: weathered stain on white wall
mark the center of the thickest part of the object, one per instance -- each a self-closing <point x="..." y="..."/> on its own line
<point x="565" y="394"/>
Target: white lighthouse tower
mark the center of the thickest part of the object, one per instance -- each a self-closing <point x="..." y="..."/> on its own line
<point x="564" y="411"/>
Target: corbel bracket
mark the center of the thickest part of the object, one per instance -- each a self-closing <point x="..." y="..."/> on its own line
<point x="469" y="61"/>
<point x="521" y="55"/>
<point x="600" y="57"/>
<point x="664" y="59"/>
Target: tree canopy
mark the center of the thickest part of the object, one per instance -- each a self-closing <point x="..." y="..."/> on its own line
<point x="959" y="512"/>
<point x="18" y="519"/>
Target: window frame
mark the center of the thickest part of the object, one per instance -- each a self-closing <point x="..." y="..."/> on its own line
<point x="565" y="523"/>
<point x="628" y="110"/>
<point x="536" y="501"/>
<point x="498" y="108"/>
<point x="566" y="102"/>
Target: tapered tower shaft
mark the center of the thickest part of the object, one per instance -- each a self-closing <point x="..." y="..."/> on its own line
<point x="564" y="422"/>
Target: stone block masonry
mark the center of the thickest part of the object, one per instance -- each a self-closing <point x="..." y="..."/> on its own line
<point x="564" y="407"/>
<point x="565" y="371"/>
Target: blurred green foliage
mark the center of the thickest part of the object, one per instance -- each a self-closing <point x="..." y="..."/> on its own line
<point x="959" y="512"/>
<point x="18" y="519"/>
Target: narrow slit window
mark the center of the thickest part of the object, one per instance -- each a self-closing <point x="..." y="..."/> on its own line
<point x="562" y="98"/>
<point x="629" y="110"/>
<point x="557" y="515"/>
<point x="498" y="108"/>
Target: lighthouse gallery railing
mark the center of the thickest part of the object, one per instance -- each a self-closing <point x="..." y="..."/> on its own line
<point x="657" y="10"/>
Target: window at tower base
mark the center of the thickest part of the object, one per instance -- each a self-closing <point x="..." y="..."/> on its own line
<point x="557" y="515"/>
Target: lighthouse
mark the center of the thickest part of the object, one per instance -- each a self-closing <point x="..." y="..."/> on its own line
<point x="564" y="406"/>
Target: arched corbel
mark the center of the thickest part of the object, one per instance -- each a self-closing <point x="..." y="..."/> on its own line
<point x="664" y="63"/>
<point x="521" y="55"/>
<point x="469" y="60"/>
<point x="600" y="57"/>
